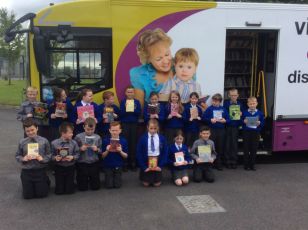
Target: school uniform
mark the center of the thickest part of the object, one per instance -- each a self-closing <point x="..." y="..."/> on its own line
<point x="55" y="123"/>
<point x="172" y="125"/>
<point x="202" y="170"/>
<point x="232" y="133"/>
<point x="191" y="128"/>
<point x="113" y="164"/>
<point x="64" y="170"/>
<point x="149" y="146"/>
<point x="88" y="163"/>
<point x="26" y="108"/>
<point x="178" y="172"/>
<point x="79" y="128"/>
<point x="35" y="182"/>
<point x="251" y="137"/>
<point x="129" y="123"/>
<point x="161" y="113"/>
<point x="217" y="131"/>
<point x="103" y="127"/>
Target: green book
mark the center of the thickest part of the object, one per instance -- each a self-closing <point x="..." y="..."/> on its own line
<point x="235" y="112"/>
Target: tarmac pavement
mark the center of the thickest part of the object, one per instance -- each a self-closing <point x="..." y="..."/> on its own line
<point x="273" y="197"/>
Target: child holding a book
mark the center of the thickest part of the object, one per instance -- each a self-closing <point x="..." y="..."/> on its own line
<point x="84" y="108"/>
<point x="192" y="117"/>
<point x="130" y="110"/>
<point x="33" y="154"/>
<point x="109" y="111"/>
<point x="90" y="145"/>
<point x="60" y="109"/>
<point x="203" y="153"/>
<point x="34" y="109"/>
<point x="174" y="120"/>
<point x="114" y="151"/>
<point x="253" y="122"/>
<point x="235" y="108"/>
<point x="179" y="159"/>
<point x="154" y="110"/>
<point x="217" y="117"/>
<point x="65" y="153"/>
<point x="152" y="155"/>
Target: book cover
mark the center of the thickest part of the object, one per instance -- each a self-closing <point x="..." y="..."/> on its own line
<point x="203" y="99"/>
<point x="217" y="114"/>
<point x="179" y="158"/>
<point x="84" y="112"/>
<point x="174" y="109"/>
<point x="235" y="112"/>
<point x="252" y="121"/>
<point x="89" y="140"/>
<point x="114" y="143"/>
<point x="130" y="106"/>
<point x="63" y="151"/>
<point x="60" y="110"/>
<point x="204" y="152"/>
<point x="33" y="149"/>
<point x="108" y="115"/>
<point x="194" y="112"/>
<point x="152" y="162"/>
<point x="153" y="109"/>
<point x="40" y="110"/>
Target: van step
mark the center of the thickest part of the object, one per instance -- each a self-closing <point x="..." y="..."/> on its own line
<point x="259" y="152"/>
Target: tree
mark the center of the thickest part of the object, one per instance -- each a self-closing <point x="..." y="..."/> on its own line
<point x="10" y="51"/>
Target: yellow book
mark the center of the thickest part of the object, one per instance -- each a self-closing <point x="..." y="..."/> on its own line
<point x="33" y="149"/>
<point x="130" y="106"/>
<point x="152" y="162"/>
<point x="204" y="152"/>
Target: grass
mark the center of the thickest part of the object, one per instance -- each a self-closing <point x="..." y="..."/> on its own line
<point x="11" y="94"/>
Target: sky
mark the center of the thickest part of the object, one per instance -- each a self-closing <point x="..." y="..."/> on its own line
<point x="32" y="6"/>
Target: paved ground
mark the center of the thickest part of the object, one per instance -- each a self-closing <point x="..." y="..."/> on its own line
<point x="273" y="197"/>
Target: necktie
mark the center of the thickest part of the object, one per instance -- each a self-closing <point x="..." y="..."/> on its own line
<point x="152" y="144"/>
<point x="179" y="147"/>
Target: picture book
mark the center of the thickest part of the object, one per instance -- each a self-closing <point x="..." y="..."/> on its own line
<point x="179" y="158"/>
<point x="217" y="114"/>
<point x="63" y="151"/>
<point x="194" y="112"/>
<point x="108" y="115"/>
<point x="203" y="99"/>
<point x="235" y="112"/>
<point x="252" y="122"/>
<point x="205" y="153"/>
<point x="114" y="143"/>
<point x="33" y="149"/>
<point x="60" y="110"/>
<point x="152" y="162"/>
<point x="40" y="110"/>
<point x="153" y="109"/>
<point x="174" y="109"/>
<point x="89" y="140"/>
<point x="130" y="106"/>
<point x="84" y="112"/>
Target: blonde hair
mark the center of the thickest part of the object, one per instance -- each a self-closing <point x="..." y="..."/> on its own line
<point x="186" y="54"/>
<point x="32" y="89"/>
<point x="252" y="98"/>
<point x="149" y="38"/>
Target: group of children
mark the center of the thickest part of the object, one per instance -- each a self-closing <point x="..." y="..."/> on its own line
<point x="108" y="139"/>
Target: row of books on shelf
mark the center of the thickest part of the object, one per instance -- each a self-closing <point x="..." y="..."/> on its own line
<point x="238" y="67"/>
<point x="238" y="55"/>
<point x="237" y="81"/>
<point x="239" y="43"/>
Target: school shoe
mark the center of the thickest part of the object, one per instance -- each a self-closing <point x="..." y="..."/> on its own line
<point x="246" y="168"/>
<point x="219" y="167"/>
<point x="253" y="168"/>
